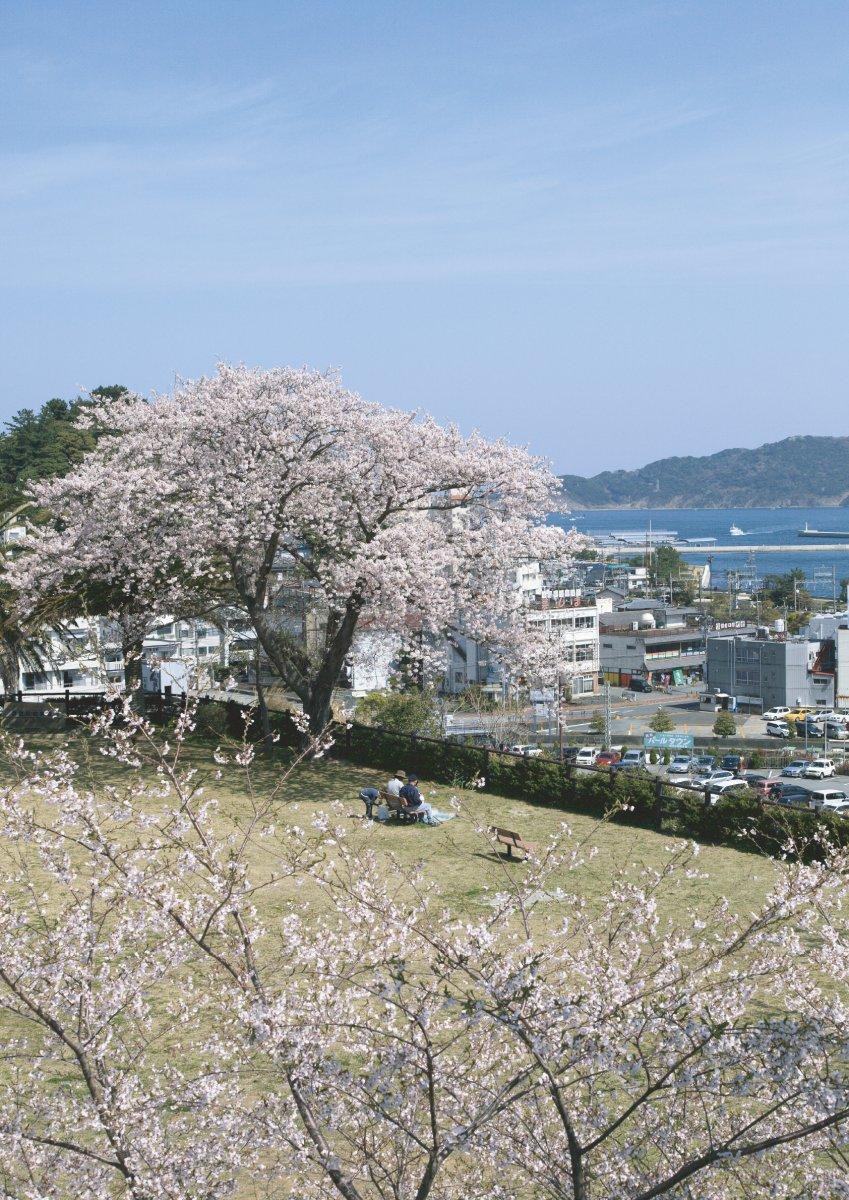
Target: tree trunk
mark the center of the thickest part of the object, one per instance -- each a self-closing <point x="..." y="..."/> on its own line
<point x="131" y="649"/>
<point x="318" y="707"/>
<point x="262" y="706"/>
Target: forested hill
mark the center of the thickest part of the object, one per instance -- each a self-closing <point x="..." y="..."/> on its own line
<point x="796" y="472"/>
<point x="34" y="445"/>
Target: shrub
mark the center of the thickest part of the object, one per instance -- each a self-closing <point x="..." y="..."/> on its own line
<point x="211" y="719"/>
<point x="661" y="722"/>
<point x="725" y="725"/>
<point x="407" y="712"/>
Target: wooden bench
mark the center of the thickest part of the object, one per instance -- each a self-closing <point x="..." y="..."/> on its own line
<point x="513" y="841"/>
<point x="397" y="808"/>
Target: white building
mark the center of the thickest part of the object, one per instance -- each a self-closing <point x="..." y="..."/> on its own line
<point x="85" y="655"/>
<point x="576" y="625"/>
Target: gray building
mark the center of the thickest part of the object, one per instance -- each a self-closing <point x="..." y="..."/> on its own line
<point x="762" y="672"/>
<point x="650" y="653"/>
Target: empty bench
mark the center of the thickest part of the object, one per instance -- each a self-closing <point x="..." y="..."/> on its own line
<point x="513" y="841"/>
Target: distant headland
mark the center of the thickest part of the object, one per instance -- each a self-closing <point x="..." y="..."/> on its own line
<point x="797" y="472"/>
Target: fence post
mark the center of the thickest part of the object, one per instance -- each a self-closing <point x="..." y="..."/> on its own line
<point x="67" y="702"/>
<point x="658" y="805"/>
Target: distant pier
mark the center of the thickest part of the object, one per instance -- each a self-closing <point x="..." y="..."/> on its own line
<point x="738" y="548"/>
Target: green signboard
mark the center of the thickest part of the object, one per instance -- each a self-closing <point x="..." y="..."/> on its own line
<point x="678" y="677"/>
<point x="668" y="741"/>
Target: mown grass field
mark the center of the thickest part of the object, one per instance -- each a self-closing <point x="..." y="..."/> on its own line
<point x="455" y="854"/>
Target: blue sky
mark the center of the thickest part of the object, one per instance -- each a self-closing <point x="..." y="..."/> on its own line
<point x="611" y="231"/>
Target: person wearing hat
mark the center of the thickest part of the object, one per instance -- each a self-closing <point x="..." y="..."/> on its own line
<point x="393" y="787"/>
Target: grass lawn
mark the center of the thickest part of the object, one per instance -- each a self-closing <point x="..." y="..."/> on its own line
<point x="461" y="860"/>
<point x="455" y="854"/>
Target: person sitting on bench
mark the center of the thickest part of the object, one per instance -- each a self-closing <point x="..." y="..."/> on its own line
<point x="412" y="798"/>
<point x="393" y="787"/>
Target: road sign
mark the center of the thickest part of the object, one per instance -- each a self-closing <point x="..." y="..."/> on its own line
<point x="668" y="741"/>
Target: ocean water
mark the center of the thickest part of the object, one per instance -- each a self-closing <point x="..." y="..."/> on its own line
<point x="762" y="526"/>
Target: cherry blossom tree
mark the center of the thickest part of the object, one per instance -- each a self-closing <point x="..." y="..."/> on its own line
<point x="312" y="510"/>
<point x="202" y="997"/>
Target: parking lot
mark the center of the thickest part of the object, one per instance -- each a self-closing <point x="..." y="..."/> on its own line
<point x="837" y="782"/>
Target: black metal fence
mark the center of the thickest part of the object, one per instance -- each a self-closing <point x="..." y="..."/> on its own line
<point x="75" y="704"/>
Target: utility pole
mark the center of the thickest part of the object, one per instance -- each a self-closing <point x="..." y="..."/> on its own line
<point x="559" y="716"/>
<point x="607" y="716"/>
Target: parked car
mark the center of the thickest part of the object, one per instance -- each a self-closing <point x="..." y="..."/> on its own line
<point x="837" y="730"/>
<point x="632" y="760"/>
<point x="775" y="714"/>
<point x="753" y="778"/>
<point x="842" y="811"/>
<point x="778" y="729"/>
<point x="640" y="685"/>
<point x="720" y="787"/>
<point x="767" y="787"/>
<point x="569" y="753"/>
<point x="798" y="714"/>
<point x="586" y="756"/>
<point x="795" y="768"/>
<point x="528" y="749"/>
<point x="607" y="758"/>
<point x="790" y="793"/>
<point x="732" y="762"/>
<point x="705" y="760"/>
<point x="820" y="768"/>
<point x="810" y="728"/>
<point x="705" y="777"/>
<point x="680" y="764"/>
<point x="828" y="798"/>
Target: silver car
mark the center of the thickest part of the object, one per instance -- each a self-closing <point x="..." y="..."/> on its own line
<point x="680" y="765"/>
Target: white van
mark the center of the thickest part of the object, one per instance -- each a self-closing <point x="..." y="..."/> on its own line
<point x="528" y="749"/>
<point x="828" y="798"/>
<point x="586" y="756"/>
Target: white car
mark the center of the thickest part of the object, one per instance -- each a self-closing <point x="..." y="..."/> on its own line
<point x="837" y="731"/>
<point x="707" y="778"/>
<point x="586" y="756"/>
<point x="529" y="749"/>
<point x="718" y="787"/>
<point x="828" y="798"/>
<point x="775" y="714"/>
<point x="778" y="729"/>
<point x="820" y="768"/>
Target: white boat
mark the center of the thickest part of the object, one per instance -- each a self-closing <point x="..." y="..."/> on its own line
<point x="736" y="531"/>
